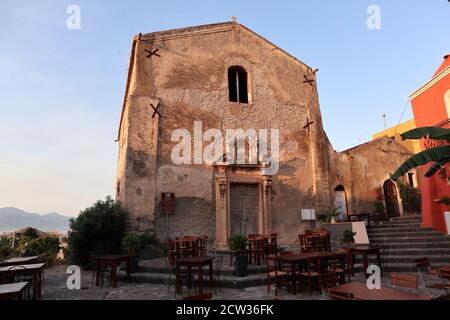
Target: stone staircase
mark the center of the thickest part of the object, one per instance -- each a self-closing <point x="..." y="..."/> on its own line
<point x="407" y="241"/>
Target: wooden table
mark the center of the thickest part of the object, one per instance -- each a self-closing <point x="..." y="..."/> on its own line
<point x="295" y="259"/>
<point x="364" y="251"/>
<point x="195" y="262"/>
<point x="19" y="260"/>
<point x="361" y="292"/>
<point x="12" y="291"/>
<point x="112" y="260"/>
<point x="31" y="270"/>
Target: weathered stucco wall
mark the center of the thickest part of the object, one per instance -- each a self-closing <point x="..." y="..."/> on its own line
<point x="189" y="81"/>
<point x="363" y="169"/>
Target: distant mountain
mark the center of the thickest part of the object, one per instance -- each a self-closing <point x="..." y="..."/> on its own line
<point x="12" y="219"/>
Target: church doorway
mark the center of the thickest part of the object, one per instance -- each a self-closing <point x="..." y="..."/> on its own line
<point x="390" y="198"/>
<point x="243" y="208"/>
<point x="340" y="201"/>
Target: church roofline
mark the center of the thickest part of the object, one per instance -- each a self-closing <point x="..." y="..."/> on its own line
<point x="185" y="32"/>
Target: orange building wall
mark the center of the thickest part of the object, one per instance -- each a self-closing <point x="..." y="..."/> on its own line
<point x="429" y="110"/>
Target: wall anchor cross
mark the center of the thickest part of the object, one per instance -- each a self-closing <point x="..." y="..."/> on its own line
<point x="155" y="110"/>
<point x="310" y="81"/>
<point x="308" y="124"/>
<point x="151" y="53"/>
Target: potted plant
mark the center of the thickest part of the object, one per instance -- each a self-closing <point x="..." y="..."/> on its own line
<point x="238" y="245"/>
<point x="149" y="246"/>
<point x="131" y="244"/>
<point x="348" y="237"/>
<point x="329" y="215"/>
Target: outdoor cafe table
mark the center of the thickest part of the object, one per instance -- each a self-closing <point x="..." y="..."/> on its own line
<point x="361" y="292"/>
<point x="195" y="262"/>
<point x="19" y="260"/>
<point x="112" y="260"/>
<point x="364" y="251"/>
<point x="295" y="259"/>
<point x="12" y="291"/>
<point x="30" y="270"/>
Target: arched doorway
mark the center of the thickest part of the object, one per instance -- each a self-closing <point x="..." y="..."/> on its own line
<point x="390" y="198"/>
<point x="340" y="201"/>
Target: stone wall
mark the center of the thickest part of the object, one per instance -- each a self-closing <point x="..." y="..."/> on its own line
<point x="189" y="82"/>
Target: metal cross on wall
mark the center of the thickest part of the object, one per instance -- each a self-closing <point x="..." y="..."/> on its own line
<point x="152" y="53"/>
<point x="308" y="124"/>
<point x="155" y="110"/>
<point x="310" y="81"/>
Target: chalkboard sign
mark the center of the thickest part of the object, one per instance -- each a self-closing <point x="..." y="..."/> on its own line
<point x="168" y="202"/>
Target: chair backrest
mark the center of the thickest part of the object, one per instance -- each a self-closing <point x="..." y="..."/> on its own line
<point x="444" y="273"/>
<point x="338" y="295"/>
<point x="313" y="265"/>
<point x="272" y="264"/>
<point x="328" y="280"/>
<point x="219" y="263"/>
<point x="404" y="280"/>
<point x="423" y="263"/>
<point x="205" y="296"/>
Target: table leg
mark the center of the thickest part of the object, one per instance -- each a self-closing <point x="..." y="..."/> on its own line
<point x="200" y="280"/>
<point x="294" y="284"/>
<point x="210" y="275"/>
<point x="35" y="294"/>
<point x="177" y="280"/>
<point x="39" y="286"/>
<point x="113" y="275"/>
<point x="129" y="269"/>
<point x="352" y="263"/>
<point x="97" y="274"/>
<point x="379" y="263"/>
<point x="365" y="264"/>
<point x="189" y="277"/>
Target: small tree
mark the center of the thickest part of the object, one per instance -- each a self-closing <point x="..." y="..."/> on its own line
<point x="97" y="230"/>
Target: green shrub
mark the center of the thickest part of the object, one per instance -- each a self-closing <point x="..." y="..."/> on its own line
<point x="131" y="243"/>
<point x="5" y="248"/>
<point x="148" y="239"/>
<point x="98" y="230"/>
<point x="238" y="243"/>
<point x="45" y="246"/>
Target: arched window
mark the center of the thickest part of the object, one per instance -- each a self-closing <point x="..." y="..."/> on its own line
<point x="237" y="84"/>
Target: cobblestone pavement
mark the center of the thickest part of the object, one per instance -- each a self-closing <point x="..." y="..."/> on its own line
<point x="55" y="288"/>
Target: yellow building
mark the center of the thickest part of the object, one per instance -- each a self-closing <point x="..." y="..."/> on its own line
<point x="395" y="131"/>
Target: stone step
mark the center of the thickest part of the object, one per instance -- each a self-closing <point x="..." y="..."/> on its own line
<point x="250" y="280"/>
<point x="399" y="227"/>
<point x="417" y="245"/>
<point x="419" y="251"/>
<point x="226" y="269"/>
<point x="408" y="237"/>
<point x="398" y="230"/>
<point x="445" y="259"/>
<point x="400" y="267"/>
<point x="412" y="234"/>
<point x="395" y="225"/>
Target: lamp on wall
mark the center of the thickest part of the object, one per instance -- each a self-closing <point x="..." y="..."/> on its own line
<point x="442" y="173"/>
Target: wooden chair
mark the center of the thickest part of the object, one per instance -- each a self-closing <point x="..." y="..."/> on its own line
<point x="403" y="280"/>
<point x="256" y="248"/>
<point x="337" y="295"/>
<point x="443" y="274"/>
<point x="327" y="280"/>
<point x="423" y="265"/>
<point x="340" y="264"/>
<point x="217" y="271"/>
<point x="311" y="273"/>
<point x="205" y="296"/>
<point x="275" y="274"/>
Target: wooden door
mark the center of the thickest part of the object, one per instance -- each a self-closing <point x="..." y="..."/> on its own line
<point x="390" y="197"/>
<point x="243" y="208"/>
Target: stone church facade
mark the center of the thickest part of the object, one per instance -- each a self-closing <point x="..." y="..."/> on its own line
<point x="225" y="76"/>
